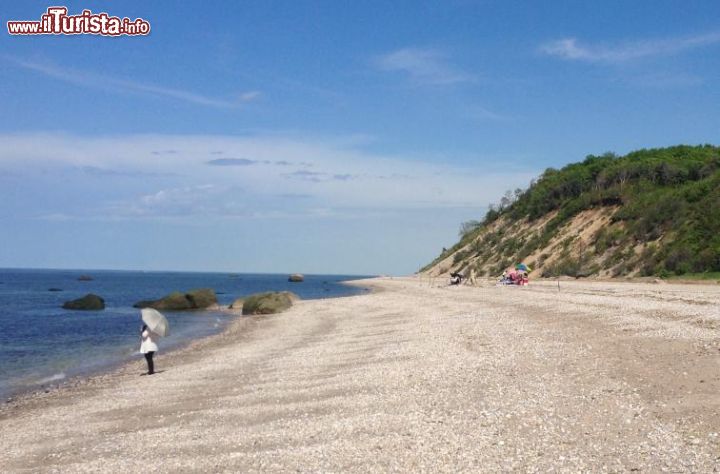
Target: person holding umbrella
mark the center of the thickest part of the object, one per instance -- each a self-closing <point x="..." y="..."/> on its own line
<point x="155" y="326"/>
<point x="148" y="347"/>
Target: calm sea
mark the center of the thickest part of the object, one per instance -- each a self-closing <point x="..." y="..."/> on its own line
<point x="41" y="343"/>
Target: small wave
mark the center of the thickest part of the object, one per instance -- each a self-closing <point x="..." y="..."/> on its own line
<point x="52" y="378"/>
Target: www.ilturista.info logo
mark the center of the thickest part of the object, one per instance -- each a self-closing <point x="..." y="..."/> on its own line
<point x="57" y="22"/>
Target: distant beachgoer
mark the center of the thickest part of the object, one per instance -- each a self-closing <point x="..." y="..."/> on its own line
<point x="148" y="347"/>
<point x="456" y="278"/>
<point x="472" y="280"/>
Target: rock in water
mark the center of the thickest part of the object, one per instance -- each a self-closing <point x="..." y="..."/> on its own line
<point x="202" y="298"/>
<point x="268" y="303"/>
<point x="175" y="301"/>
<point x="54" y="289"/>
<point x="296" y="278"/>
<point x="88" y="302"/>
<point x="237" y="304"/>
<point x="84" y="278"/>
<point x="144" y="304"/>
<point x="194" y="299"/>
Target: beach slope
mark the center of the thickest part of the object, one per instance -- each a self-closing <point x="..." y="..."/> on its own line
<point x="412" y="377"/>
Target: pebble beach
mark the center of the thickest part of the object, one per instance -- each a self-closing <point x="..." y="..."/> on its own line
<point x="415" y="376"/>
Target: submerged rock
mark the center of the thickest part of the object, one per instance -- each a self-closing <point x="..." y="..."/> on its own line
<point x="88" y="302"/>
<point x="194" y="299"/>
<point x="268" y="303"/>
<point x="296" y="278"/>
<point x="54" y="289"/>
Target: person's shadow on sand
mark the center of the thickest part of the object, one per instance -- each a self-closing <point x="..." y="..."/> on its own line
<point x="154" y="373"/>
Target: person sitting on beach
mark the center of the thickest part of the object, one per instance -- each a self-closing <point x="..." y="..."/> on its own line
<point x="455" y="278"/>
<point x="504" y="278"/>
<point x="148" y="347"/>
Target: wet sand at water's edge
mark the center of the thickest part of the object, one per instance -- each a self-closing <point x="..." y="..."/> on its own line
<point x="412" y="377"/>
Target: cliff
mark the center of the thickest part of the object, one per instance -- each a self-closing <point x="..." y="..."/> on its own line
<point x="652" y="212"/>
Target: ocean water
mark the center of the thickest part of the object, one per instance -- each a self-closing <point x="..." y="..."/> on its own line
<point x="42" y="344"/>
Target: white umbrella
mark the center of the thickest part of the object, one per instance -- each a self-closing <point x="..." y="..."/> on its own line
<point x="155" y="321"/>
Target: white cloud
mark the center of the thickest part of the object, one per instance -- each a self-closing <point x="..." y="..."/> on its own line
<point x="250" y="96"/>
<point x="571" y="49"/>
<point x="182" y="184"/>
<point x="427" y="66"/>
<point x="112" y="84"/>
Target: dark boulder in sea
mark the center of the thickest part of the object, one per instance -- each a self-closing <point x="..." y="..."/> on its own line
<point x="88" y="302"/>
<point x="268" y="303"/>
<point x="296" y="278"/>
<point x="175" y="301"/>
<point x="85" y="278"/>
<point x="144" y="304"/>
<point x="202" y="298"/>
<point x="54" y="289"/>
<point x="194" y="299"/>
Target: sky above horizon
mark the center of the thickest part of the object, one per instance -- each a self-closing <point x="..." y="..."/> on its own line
<point x="325" y="136"/>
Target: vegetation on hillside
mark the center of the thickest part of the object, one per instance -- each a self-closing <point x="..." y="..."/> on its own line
<point x="665" y="202"/>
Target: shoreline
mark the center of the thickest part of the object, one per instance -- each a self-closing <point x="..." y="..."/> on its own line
<point x="82" y="375"/>
<point x="374" y="285"/>
<point x="408" y="377"/>
<point x="91" y="377"/>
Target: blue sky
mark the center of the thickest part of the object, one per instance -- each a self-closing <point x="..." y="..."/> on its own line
<point x="325" y="137"/>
